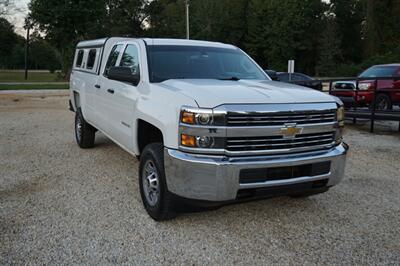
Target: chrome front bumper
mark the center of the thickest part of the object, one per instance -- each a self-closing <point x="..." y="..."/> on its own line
<point x="216" y="178"/>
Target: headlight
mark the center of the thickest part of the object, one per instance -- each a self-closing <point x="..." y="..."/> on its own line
<point x="201" y="117"/>
<point x="340" y="115"/>
<point x="364" y="86"/>
<point x="202" y="142"/>
<point x="340" y="120"/>
<point x="199" y="130"/>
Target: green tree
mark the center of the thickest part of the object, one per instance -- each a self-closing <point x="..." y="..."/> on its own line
<point x="330" y="55"/>
<point x="42" y="54"/>
<point x="8" y="40"/>
<point x="279" y="30"/>
<point x="17" y="56"/>
<point x="382" y="31"/>
<point x="67" y="22"/>
<point x="222" y="20"/>
<point x="349" y="16"/>
<point x="166" y="18"/>
<point x="124" y="18"/>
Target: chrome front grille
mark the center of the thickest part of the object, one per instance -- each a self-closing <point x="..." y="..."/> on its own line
<point x="280" y="118"/>
<point x="268" y="129"/>
<point x="279" y="143"/>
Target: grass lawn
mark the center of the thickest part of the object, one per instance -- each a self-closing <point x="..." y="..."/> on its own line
<point x="62" y="86"/>
<point x="33" y="76"/>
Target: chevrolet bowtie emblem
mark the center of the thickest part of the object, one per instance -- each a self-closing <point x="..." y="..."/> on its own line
<point x="291" y="130"/>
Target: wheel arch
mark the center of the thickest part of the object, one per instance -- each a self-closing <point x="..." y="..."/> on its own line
<point x="147" y="133"/>
<point x="76" y="100"/>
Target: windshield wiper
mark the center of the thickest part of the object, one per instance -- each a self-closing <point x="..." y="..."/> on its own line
<point x="162" y="79"/>
<point x="230" y="78"/>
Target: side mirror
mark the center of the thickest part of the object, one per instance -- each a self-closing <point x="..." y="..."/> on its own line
<point x="124" y="74"/>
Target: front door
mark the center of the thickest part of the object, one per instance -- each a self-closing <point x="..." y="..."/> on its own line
<point x="122" y="98"/>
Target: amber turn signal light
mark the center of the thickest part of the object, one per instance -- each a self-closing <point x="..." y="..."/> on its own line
<point x="188" y="141"/>
<point x="187" y="117"/>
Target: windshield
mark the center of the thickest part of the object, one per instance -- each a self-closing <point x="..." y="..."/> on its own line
<point x="195" y="62"/>
<point x="379" y="71"/>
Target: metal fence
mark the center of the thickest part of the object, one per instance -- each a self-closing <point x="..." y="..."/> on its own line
<point x="364" y="103"/>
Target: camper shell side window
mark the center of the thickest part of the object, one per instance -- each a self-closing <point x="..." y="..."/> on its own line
<point x="79" y="58"/>
<point x="88" y="59"/>
<point x="91" y="59"/>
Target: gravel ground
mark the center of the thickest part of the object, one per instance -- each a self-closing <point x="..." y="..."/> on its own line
<point x="64" y="205"/>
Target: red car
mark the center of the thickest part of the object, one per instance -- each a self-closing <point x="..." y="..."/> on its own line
<point x="388" y="90"/>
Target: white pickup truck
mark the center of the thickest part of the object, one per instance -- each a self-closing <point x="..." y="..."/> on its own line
<point x="207" y="123"/>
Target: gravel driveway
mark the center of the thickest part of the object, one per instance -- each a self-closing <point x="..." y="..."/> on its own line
<point x="62" y="205"/>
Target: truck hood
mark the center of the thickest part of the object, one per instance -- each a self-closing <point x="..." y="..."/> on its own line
<point x="209" y="93"/>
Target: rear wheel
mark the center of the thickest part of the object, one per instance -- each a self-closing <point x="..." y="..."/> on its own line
<point x="383" y="102"/>
<point x="84" y="133"/>
<point x="156" y="198"/>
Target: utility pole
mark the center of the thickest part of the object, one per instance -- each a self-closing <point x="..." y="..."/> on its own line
<point x="187" y="20"/>
<point x="28" y="26"/>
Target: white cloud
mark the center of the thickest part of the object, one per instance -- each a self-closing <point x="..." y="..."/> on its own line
<point x="18" y="15"/>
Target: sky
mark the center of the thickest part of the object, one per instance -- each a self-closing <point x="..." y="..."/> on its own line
<point x="17" y="19"/>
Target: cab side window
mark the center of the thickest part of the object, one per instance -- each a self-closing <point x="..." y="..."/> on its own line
<point x="112" y="59"/>
<point x="79" y="58"/>
<point x="130" y="58"/>
<point x="91" y="59"/>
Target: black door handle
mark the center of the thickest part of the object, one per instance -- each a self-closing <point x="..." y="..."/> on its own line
<point x="110" y="91"/>
<point x="97" y="86"/>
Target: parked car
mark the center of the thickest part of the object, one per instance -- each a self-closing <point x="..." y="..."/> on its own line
<point x="296" y="78"/>
<point x="206" y="122"/>
<point x="387" y="91"/>
<point x="272" y="74"/>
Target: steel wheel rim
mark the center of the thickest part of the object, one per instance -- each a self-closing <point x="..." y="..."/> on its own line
<point x="150" y="183"/>
<point x="382" y="105"/>
<point x="78" y="128"/>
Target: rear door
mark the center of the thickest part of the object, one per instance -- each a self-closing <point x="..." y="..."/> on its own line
<point x="79" y="82"/>
<point x="90" y="70"/>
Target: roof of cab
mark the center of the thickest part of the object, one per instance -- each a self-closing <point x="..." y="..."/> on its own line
<point x="156" y="41"/>
<point x="186" y="42"/>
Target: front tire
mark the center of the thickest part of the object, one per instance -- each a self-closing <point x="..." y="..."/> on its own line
<point x="156" y="198"/>
<point x="84" y="132"/>
<point x="383" y="102"/>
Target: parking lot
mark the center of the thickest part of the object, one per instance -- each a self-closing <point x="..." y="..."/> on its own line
<point x="60" y="204"/>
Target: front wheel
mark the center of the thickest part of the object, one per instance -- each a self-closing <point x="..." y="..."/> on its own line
<point x="156" y="198"/>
